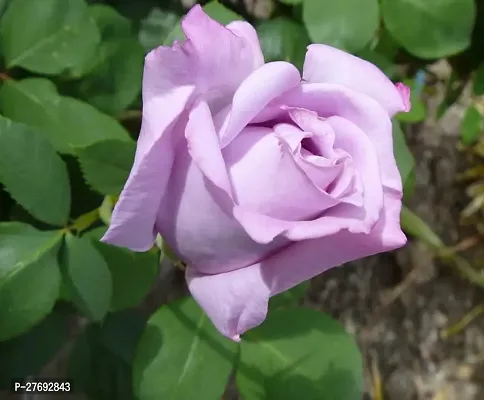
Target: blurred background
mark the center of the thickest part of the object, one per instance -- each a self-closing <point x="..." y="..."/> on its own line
<point x="417" y="313"/>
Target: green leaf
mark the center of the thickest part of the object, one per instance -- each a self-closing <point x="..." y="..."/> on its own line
<point x="25" y="355"/>
<point x="133" y="274"/>
<point x="156" y="27"/>
<point x="33" y="173"/>
<point x="214" y="10"/>
<point x="84" y="198"/>
<point x="387" y="46"/>
<point x="417" y="113"/>
<point x="47" y="36"/>
<point x="106" y="209"/>
<point x="220" y="13"/>
<point x="409" y="186"/>
<point x="65" y="121"/>
<point x="403" y="155"/>
<point x="106" y="165"/>
<point x="478" y="82"/>
<point x="121" y="332"/>
<point x="114" y="79"/>
<point x="86" y="277"/>
<point x="299" y="353"/>
<point x="431" y="28"/>
<point x="112" y="26"/>
<point x="3" y="6"/>
<point x="291" y="297"/>
<point x="116" y="83"/>
<point x="282" y="39"/>
<point x="346" y="24"/>
<point x="471" y="126"/>
<point x="291" y="2"/>
<point x="100" y="362"/>
<point x="415" y="226"/>
<point x="29" y="276"/>
<point x="182" y="356"/>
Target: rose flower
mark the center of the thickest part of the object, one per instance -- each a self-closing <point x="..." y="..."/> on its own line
<point x="257" y="178"/>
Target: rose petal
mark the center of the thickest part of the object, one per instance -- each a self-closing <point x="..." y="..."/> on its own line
<point x="326" y="64"/>
<point x="133" y="218"/>
<point x="405" y="94"/>
<point x="220" y="59"/>
<point x="247" y="31"/>
<point x="237" y="301"/>
<point x="267" y="180"/>
<point x="203" y="146"/>
<point x="354" y="141"/>
<point x="325" y="169"/>
<point x="198" y="224"/>
<point x="366" y="113"/>
<point x="262" y="86"/>
<point x="172" y="76"/>
<point x="346" y="216"/>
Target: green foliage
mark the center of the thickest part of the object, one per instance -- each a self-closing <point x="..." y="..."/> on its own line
<point x="86" y="277"/>
<point x="3" y="6"/>
<point x="430" y="28"/>
<point x="181" y="352"/>
<point x="289" y="298"/>
<point x="106" y="164"/>
<point x="156" y="27"/>
<point x="283" y="39"/>
<point x="414" y="225"/>
<point x="29" y="276"/>
<point x="347" y="24"/>
<point x="33" y="173"/>
<point x="471" y="126"/>
<point x="113" y="78"/>
<point x="47" y="36"/>
<point x="299" y="353"/>
<point x="65" y="121"/>
<point x="403" y="156"/>
<point x="478" y="84"/>
<point x="101" y="359"/>
<point x="133" y="274"/>
<point x="25" y="355"/>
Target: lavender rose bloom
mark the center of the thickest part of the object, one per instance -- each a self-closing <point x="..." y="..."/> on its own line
<point x="256" y="178"/>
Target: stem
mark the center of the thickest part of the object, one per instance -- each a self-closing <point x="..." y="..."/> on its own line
<point x="130" y="114"/>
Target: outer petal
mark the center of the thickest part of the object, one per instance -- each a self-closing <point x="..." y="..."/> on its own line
<point x="196" y="220"/>
<point x="133" y="219"/>
<point x="247" y="31"/>
<point x="237" y="301"/>
<point x="203" y="146"/>
<point x="211" y="63"/>
<point x="220" y="58"/>
<point x="326" y="64"/>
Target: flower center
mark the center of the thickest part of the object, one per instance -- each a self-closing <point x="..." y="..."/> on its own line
<point x="309" y="145"/>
